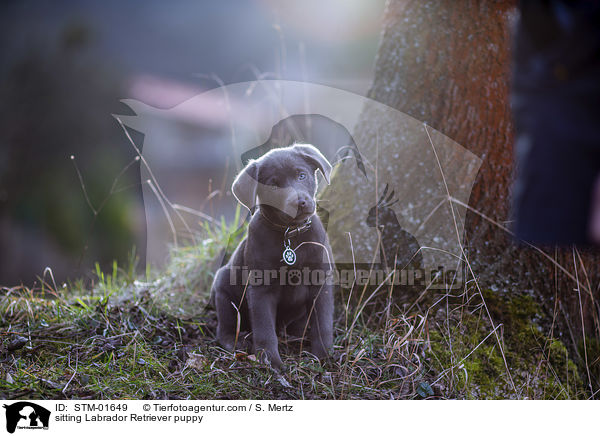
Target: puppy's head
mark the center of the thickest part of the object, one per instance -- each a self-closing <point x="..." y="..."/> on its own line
<point x="283" y="182"/>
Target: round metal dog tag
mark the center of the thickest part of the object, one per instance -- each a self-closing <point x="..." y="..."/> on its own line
<point x="289" y="256"/>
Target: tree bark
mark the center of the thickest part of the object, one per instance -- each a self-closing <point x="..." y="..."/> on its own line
<point x="447" y="63"/>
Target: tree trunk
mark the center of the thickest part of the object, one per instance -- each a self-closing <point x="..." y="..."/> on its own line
<point x="447" y="63"/>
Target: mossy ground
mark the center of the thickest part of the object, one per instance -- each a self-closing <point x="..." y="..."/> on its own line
<point x="152" y="337"/>
<point x="523" y="361"/>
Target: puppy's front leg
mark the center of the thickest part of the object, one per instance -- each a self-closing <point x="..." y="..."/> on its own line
<point x="262" y="303"/>
<point x="321" y="320"/>
<point x="222" y="292"/>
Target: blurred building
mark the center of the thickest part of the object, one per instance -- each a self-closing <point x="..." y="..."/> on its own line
<point x="65" y="66"/>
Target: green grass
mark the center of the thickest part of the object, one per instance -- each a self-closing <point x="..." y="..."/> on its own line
<point x="153" y="337"/>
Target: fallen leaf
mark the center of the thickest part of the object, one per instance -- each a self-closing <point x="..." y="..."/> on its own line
<point x="424" y="390"/>
<point x="196" y="361"/>
<point x="16" y="343"/>
<point x="281" y="379"/>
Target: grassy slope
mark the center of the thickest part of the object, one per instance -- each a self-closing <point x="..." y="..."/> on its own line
<point x="154" y="339"/>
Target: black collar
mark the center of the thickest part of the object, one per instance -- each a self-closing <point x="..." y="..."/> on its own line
<point x="289" y="231"/>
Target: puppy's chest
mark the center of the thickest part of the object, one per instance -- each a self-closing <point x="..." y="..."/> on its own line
<point x="292" y="253"/>
<point x="292" y="296"/>
<point x="303" y="252"/>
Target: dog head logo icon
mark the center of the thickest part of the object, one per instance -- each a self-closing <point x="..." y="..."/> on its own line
<point x="26" y="415"/>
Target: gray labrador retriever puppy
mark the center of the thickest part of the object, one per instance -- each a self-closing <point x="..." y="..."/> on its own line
<point x="275" y="277"/>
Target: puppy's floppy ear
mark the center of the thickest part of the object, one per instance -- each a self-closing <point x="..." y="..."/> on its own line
<point x="245" y="185"/>
<point x="314" y="157"/>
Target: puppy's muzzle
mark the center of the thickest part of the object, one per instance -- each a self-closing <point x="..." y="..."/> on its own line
<point x="304" y="205"/>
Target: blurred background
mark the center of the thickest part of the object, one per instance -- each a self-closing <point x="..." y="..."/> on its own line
<point x="65" y="66"/>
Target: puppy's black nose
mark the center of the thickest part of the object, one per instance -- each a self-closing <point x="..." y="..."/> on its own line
<point x="304" y="204"/>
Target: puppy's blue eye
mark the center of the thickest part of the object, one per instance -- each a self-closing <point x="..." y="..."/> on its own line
<point x="301" y="176"/>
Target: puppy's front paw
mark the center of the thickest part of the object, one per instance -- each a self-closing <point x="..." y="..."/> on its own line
<point x="227" y="342"/>
<point x="320" y="352"/>
<point x="230" y="343"/>
<point x="271" y="359"/>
